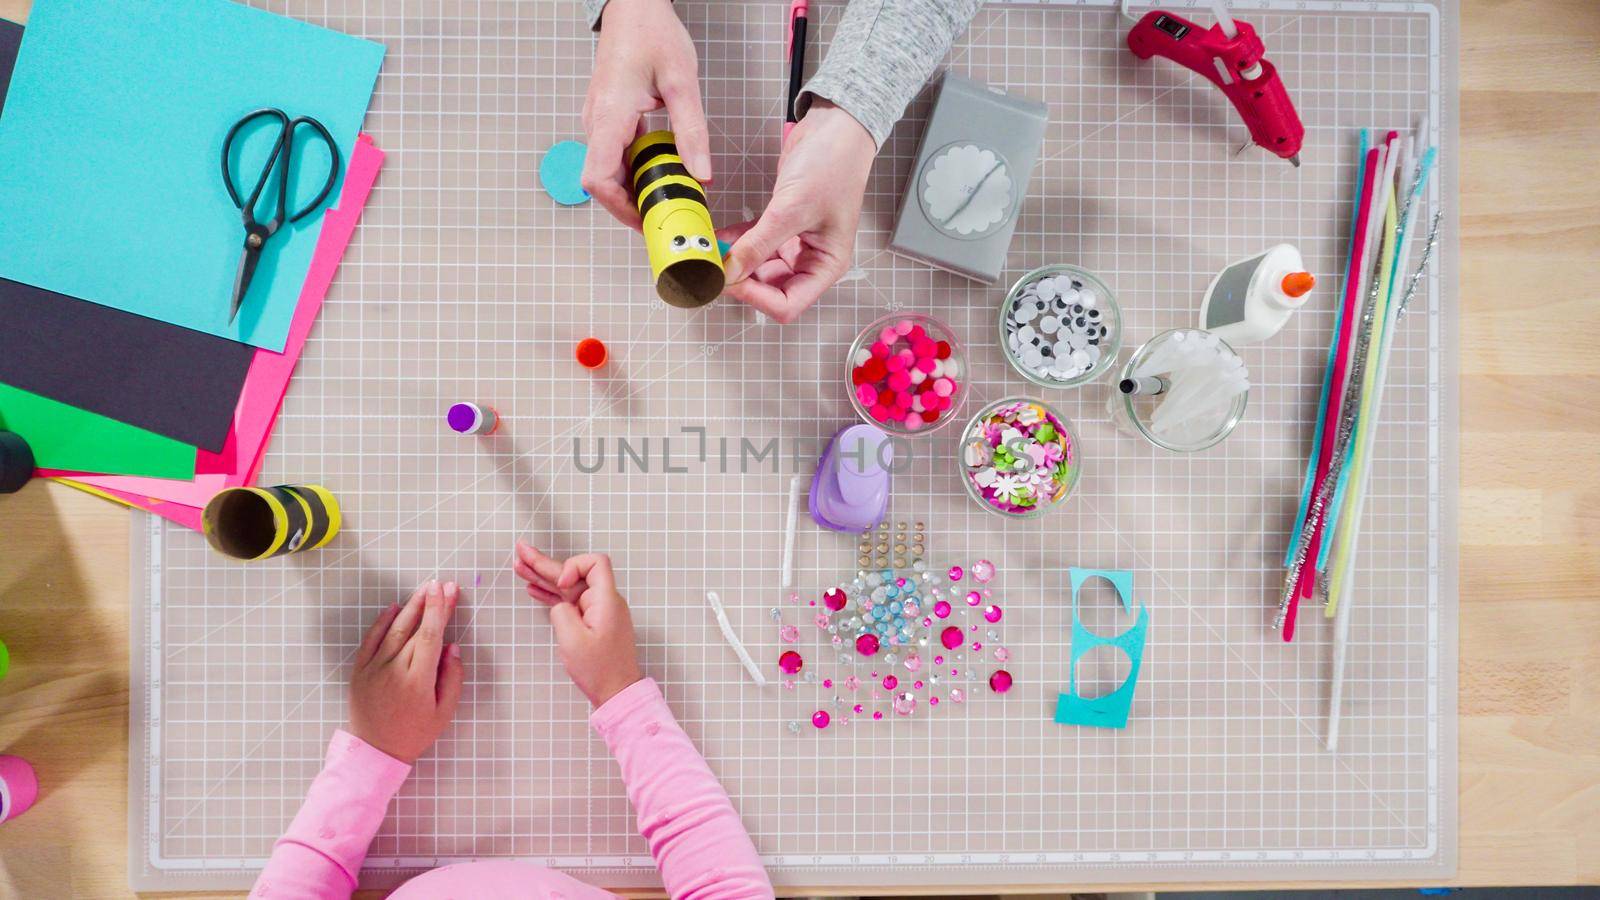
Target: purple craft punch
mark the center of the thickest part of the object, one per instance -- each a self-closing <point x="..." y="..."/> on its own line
<point x="850" y="491"/>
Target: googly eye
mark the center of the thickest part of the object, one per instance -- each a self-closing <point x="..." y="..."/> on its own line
<point x="679" y="242"/>
<point x="703" y="242"/>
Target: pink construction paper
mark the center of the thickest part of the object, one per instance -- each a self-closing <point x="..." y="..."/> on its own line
<point x="268" y="378"/>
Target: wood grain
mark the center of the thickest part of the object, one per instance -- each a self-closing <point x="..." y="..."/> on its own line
<point x="1529" y="529"/>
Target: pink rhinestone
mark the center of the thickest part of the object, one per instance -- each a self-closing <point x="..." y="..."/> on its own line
<point x="991" y="613"/>
<point x="927" y="621"/>
<point x="942" y="609"/>
<point x="913" y="663"/>
<point x="836" y="640"/>
<point x="877" y="714"/>
<point x="821" y="620"/>
<point x="834" y="599"/>
<point x="950" y="637"/>
<point x="933" y="701"/>
<point x="974" y="598"/>
<point x="938" y="660"/>
<point x="794" y="598"/>
<point x="1001" y="654"/>
<point x="917" y="685"/>
<point x="1000" y="681"/>
<point x="957" y="695"/>
<point x="790" y="662"/>
<point x="890" y="682"/>
<point x="867" y="644"/>
<point x="983" y="570"/>
<point x="789" y="633"/>
<point x="827" y="682"/>
<point x="852" y="683"/>
<point x="955" y="573"/>
<point x="905" y="704"/>
<point x="820" y="718"/>
<point x="857" y="708"/>
<point x="977" y="645"/>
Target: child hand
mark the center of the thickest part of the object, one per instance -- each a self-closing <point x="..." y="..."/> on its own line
<point x="407" y="681"/>
<point x="594" y="632"/>
<point x="645" y="60"/>
<point x="802" y="244"/>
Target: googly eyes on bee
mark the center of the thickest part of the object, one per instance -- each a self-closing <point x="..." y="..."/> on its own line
<point x="683" y="242"/>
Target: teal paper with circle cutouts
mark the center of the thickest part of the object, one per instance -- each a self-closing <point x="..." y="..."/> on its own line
<point x="1110" y="711"/>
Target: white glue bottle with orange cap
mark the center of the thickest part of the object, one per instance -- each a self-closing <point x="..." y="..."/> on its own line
<point x="1252" y="299"/>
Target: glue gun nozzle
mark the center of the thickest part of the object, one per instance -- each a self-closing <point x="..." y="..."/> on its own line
<point x="1295" y="160"/>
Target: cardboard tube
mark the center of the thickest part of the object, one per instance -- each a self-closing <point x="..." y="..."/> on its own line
<point x="678" y="233"/>
<point x="254" y="523"/>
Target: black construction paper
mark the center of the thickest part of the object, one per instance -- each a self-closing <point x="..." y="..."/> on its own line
<point x="10" y="40"/>
<point x="174" y="381"/>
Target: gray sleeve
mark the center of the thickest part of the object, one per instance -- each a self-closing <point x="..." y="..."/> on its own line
<point x="882" y="53"/>
<point x="593" y="8"/>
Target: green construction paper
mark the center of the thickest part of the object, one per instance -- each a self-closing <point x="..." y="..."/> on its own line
<point x="65" y="437"/>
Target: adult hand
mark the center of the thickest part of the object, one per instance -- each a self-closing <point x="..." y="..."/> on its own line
<point x="407" y="681"/>
<point x="594" y="632"/>
<point x="645" y="60"/>
<point x="802" y="244"/>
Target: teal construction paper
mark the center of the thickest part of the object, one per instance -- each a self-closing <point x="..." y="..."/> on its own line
<point x="110" y="146"/>
<point x="561" y="171"/>
<point x="1111" y="710"/>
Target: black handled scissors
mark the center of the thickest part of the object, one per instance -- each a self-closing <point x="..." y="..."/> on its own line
<point x="256" y="233"/>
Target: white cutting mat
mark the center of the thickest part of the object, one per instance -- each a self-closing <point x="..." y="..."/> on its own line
<point x="466" y="283"/>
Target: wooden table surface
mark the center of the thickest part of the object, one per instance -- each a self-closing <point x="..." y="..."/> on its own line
<point x="1530" y="543"/>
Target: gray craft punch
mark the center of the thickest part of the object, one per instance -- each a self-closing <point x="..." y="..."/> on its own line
<point x="970" y="178"/>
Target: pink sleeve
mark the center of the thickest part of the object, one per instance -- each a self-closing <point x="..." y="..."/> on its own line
<point x="695" y="834"/>
<point x="321" y="853"/>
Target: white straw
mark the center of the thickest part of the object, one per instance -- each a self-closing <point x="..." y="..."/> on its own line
<point x="733" y="639"/>
<point x="796" y="484"/>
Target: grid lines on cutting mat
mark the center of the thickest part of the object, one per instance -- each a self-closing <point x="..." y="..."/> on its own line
<point x="466" y="283"/>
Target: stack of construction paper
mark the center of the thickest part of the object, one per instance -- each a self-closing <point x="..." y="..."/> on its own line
<point x="118" y="243"/>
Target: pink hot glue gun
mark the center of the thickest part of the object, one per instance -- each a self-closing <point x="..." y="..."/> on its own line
<point x="1232" y="57"/>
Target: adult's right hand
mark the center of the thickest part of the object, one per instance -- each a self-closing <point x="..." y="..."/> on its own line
<point x="645" y="61"/>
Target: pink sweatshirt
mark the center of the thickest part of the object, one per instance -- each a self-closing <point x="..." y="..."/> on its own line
<point x="695" y="835"/>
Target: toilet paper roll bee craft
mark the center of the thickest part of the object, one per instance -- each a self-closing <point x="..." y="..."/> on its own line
<point x="253" y="523"/>
<point x="677" y="224"/>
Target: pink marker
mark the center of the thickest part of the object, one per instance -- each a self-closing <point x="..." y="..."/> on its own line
<point x="19" y="787"/>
